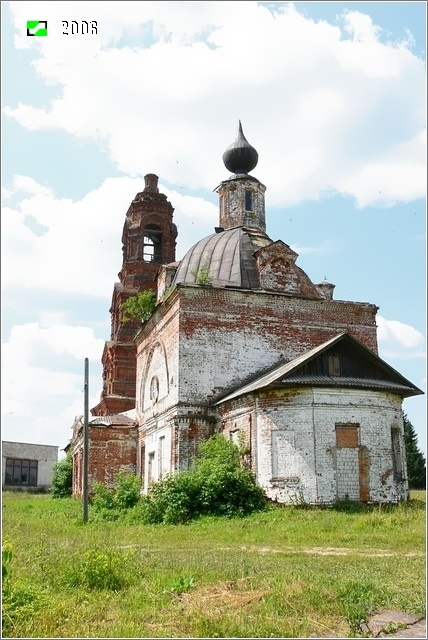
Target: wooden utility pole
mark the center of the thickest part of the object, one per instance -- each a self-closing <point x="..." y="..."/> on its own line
<point x="86" y="444"/>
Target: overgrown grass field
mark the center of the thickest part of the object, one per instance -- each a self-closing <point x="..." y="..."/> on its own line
<point x="288" y="572"/>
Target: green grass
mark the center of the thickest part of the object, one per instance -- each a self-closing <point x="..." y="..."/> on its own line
<point x="287" y="572"/>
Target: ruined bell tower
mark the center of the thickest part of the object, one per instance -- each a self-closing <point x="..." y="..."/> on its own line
<point x="148" y="241"/>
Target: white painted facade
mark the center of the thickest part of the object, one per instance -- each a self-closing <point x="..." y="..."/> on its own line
<point x="45" y="455"/>
<point x="293" y="443"/>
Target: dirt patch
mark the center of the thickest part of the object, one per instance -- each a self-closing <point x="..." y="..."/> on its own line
<point x="332" y="551"/>
<point x="220" y="596"/>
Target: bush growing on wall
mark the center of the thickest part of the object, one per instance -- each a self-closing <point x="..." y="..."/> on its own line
<point x="139" y="307"/>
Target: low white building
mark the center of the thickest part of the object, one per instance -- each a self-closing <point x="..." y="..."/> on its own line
<point x="27" y="466"/>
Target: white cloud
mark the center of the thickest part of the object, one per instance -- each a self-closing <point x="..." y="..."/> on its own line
<point x="305" y="250"/>
<point x="400" y="340"/>
<point x="82" y="234"/>
<point x="308" y="94"/>
<point x="39" y="398"/>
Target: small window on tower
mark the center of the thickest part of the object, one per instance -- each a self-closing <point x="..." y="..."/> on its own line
<point x="248" y="200"/>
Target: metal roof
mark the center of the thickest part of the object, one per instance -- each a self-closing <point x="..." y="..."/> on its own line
<point x="229" y="257"/>
<point x="331" y="381"/>
<point x="280" y="375"/>
<point x="116" y="420"/>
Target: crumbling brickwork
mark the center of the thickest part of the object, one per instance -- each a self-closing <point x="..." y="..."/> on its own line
<point x="112" y="446"/>
<point x="148" y="241"/>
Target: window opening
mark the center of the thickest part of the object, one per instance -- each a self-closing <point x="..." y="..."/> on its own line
<point x="248" y="200"/>
<point x="161" y="455"/>
<point x="21" y="472"/>
<point x="152" y="244"/>
<point x="151" y="463"/>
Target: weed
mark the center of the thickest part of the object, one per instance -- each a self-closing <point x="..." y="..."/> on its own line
<point x="6" y="559"/>
<point x="203" y="275"/>
<point x="182" y="585"/>
<point x="358" y="600"/>
<point x="96" y="570"/>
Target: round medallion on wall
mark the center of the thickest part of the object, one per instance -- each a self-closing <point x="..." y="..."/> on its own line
<point x="154" y="389"/>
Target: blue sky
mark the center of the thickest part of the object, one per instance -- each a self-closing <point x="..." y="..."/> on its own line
<point x="331" y="94"/>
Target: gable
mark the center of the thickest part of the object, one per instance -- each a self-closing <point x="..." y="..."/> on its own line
<point x="340" y="362"/>
<point x="345" y="359"/>
<point x="278" y="271"/>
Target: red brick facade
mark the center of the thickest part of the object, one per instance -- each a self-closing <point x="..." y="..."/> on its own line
<point x="112" y="446"/>
<point x="148" y="241"/>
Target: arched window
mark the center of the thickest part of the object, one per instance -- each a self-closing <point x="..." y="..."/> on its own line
<point x="152" y="244"/>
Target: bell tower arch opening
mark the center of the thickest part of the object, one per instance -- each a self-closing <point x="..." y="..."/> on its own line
<point x="152" y="243"/>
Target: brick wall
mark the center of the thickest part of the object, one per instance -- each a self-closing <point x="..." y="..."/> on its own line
<point x="228" y="336"/>
<point x="110" y="448"/>
<point x="297" y="453"/>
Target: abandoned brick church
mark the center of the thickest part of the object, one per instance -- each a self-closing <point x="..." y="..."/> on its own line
<point x="242" y="342"/>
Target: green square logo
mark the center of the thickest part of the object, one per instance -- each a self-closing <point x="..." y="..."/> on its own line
<point x="37" y="28"/>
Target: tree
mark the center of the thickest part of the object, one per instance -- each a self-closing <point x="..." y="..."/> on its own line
<point x="416" y="468"/>
<point x="62" y="478"/>
<point x="139" y="307"/>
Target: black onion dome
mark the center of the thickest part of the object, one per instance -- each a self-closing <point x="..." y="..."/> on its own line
<point x="240" y="156"/>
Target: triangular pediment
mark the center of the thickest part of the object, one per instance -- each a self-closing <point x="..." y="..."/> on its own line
<point x="278" y="248"/>
<point x="340" y="362"/>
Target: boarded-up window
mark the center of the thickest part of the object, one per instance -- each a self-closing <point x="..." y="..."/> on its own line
<point x="333" y="365"/>
<point x="283" y="454"/>
<point x="161" y="456"/>
<point x="235" y="437"/>
<point x="397" y="459"/>
<point x="142" y="462"/>
<point x="347" y="461"/>
<point x="151" y="464"/>
<point x="347" y="435"/>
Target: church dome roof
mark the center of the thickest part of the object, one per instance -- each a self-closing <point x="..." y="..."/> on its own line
<point x="227" y="258"/>
<point x="240" y="157"/>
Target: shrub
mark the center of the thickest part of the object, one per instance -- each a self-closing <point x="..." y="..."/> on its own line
<point x="108" y="503"/>
<point x="175" y="500"/>
<point x="62" y="478"/>
<point x="215" y="485"/>
<point x="127" y="491"/>
<point x="139" y="307"/>
<point x="96" y="570"/>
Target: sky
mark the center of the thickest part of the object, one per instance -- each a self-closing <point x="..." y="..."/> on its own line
<point x="331" y="94"/>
